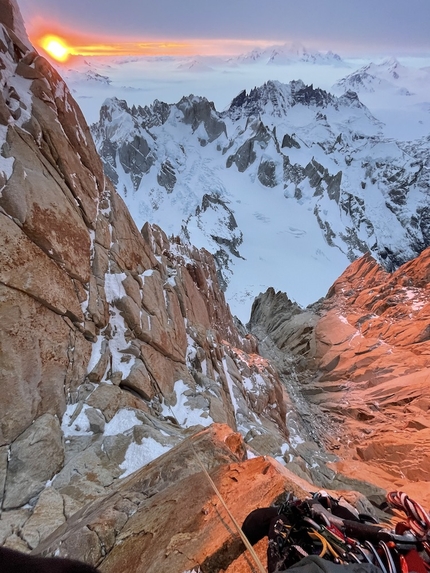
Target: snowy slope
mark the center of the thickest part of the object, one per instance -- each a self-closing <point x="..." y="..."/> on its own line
<point x="397" y="94"/>
<point x="389" y="75"/>
<point x="285" y="187"/>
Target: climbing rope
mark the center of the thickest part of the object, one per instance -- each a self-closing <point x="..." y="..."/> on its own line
<point x="245" y="540"/>
<point x="235" y="523"/>
<point x="418" y="519"/>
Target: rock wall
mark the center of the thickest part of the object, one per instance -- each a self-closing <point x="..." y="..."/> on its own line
<point x="114" y="344"/>
<point x="168" y="518"/>
<point x="362" y="357"/>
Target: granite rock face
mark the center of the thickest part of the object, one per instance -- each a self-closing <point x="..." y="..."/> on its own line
<point x="172" y="501"/>
<point x="114" y="343"/>
<point x="362" y="355"/>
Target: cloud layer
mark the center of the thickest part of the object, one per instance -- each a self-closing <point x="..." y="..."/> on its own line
<point x="366" y="25"/>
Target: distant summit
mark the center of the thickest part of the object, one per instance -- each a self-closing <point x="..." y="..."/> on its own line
<point x="389" y="75"/>
<point x="285" y="54"/>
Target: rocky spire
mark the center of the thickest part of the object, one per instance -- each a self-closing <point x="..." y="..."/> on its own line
<point x="12" y="19"/>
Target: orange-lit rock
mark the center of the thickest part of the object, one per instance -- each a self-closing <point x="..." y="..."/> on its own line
<point x="368" y="368"/>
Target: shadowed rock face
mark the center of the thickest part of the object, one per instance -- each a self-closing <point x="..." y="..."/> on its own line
<point x="197" y="111"/>
<point x="99" y="323"/>
<point x="20" y="563"/>
<point x="364" y="356"/>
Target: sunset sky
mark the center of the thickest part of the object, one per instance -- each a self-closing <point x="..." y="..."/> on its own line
<point x="232" y="26"/>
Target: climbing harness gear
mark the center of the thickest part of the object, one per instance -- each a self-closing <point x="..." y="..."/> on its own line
<point x="321" y="526"/>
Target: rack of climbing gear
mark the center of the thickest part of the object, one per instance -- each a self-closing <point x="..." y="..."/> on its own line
<point x="322" y="526"/>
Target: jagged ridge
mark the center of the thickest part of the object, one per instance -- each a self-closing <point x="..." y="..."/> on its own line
<point x="324" y="154"/>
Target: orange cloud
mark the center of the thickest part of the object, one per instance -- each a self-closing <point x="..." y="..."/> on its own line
<point x="153" y="48"/>
<point x="74" y="44"/>
<point x="132" y="49"/>
<point x="60" y="48"/>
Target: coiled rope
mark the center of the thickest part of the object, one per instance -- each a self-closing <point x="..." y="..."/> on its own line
<point x="418" y="519"/>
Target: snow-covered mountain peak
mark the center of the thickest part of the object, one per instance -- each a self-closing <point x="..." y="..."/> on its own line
<point x="297" y="52"/>
<point x="118" y="119"/>
<point x="192" y="102"/>
<point x="393" y="70"/>
<point x="275" y="101"/>
<point x="390" y="62"/>
<point x="350" y="99"/>
<point x="285" y="54"/>
<point x="289" y="176"/>
<point x="253" y="56"/>
<point x="387" y="76"/>
<point x="273" y="97"/>
<point x="195" y="65"/>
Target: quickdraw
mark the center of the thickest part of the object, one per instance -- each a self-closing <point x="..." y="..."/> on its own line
<point x="319" y="530"/>
<point x="329" y="529"/>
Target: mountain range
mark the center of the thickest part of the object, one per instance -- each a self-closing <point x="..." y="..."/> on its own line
<point x="289" y="54"/>
<point x="289" y="183"/>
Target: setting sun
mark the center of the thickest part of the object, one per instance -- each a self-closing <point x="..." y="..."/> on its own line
<point x="56" y="48"/>
<point x="61" y="47"/>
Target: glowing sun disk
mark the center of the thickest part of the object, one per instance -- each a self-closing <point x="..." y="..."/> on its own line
<point x="56" y="48"/>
